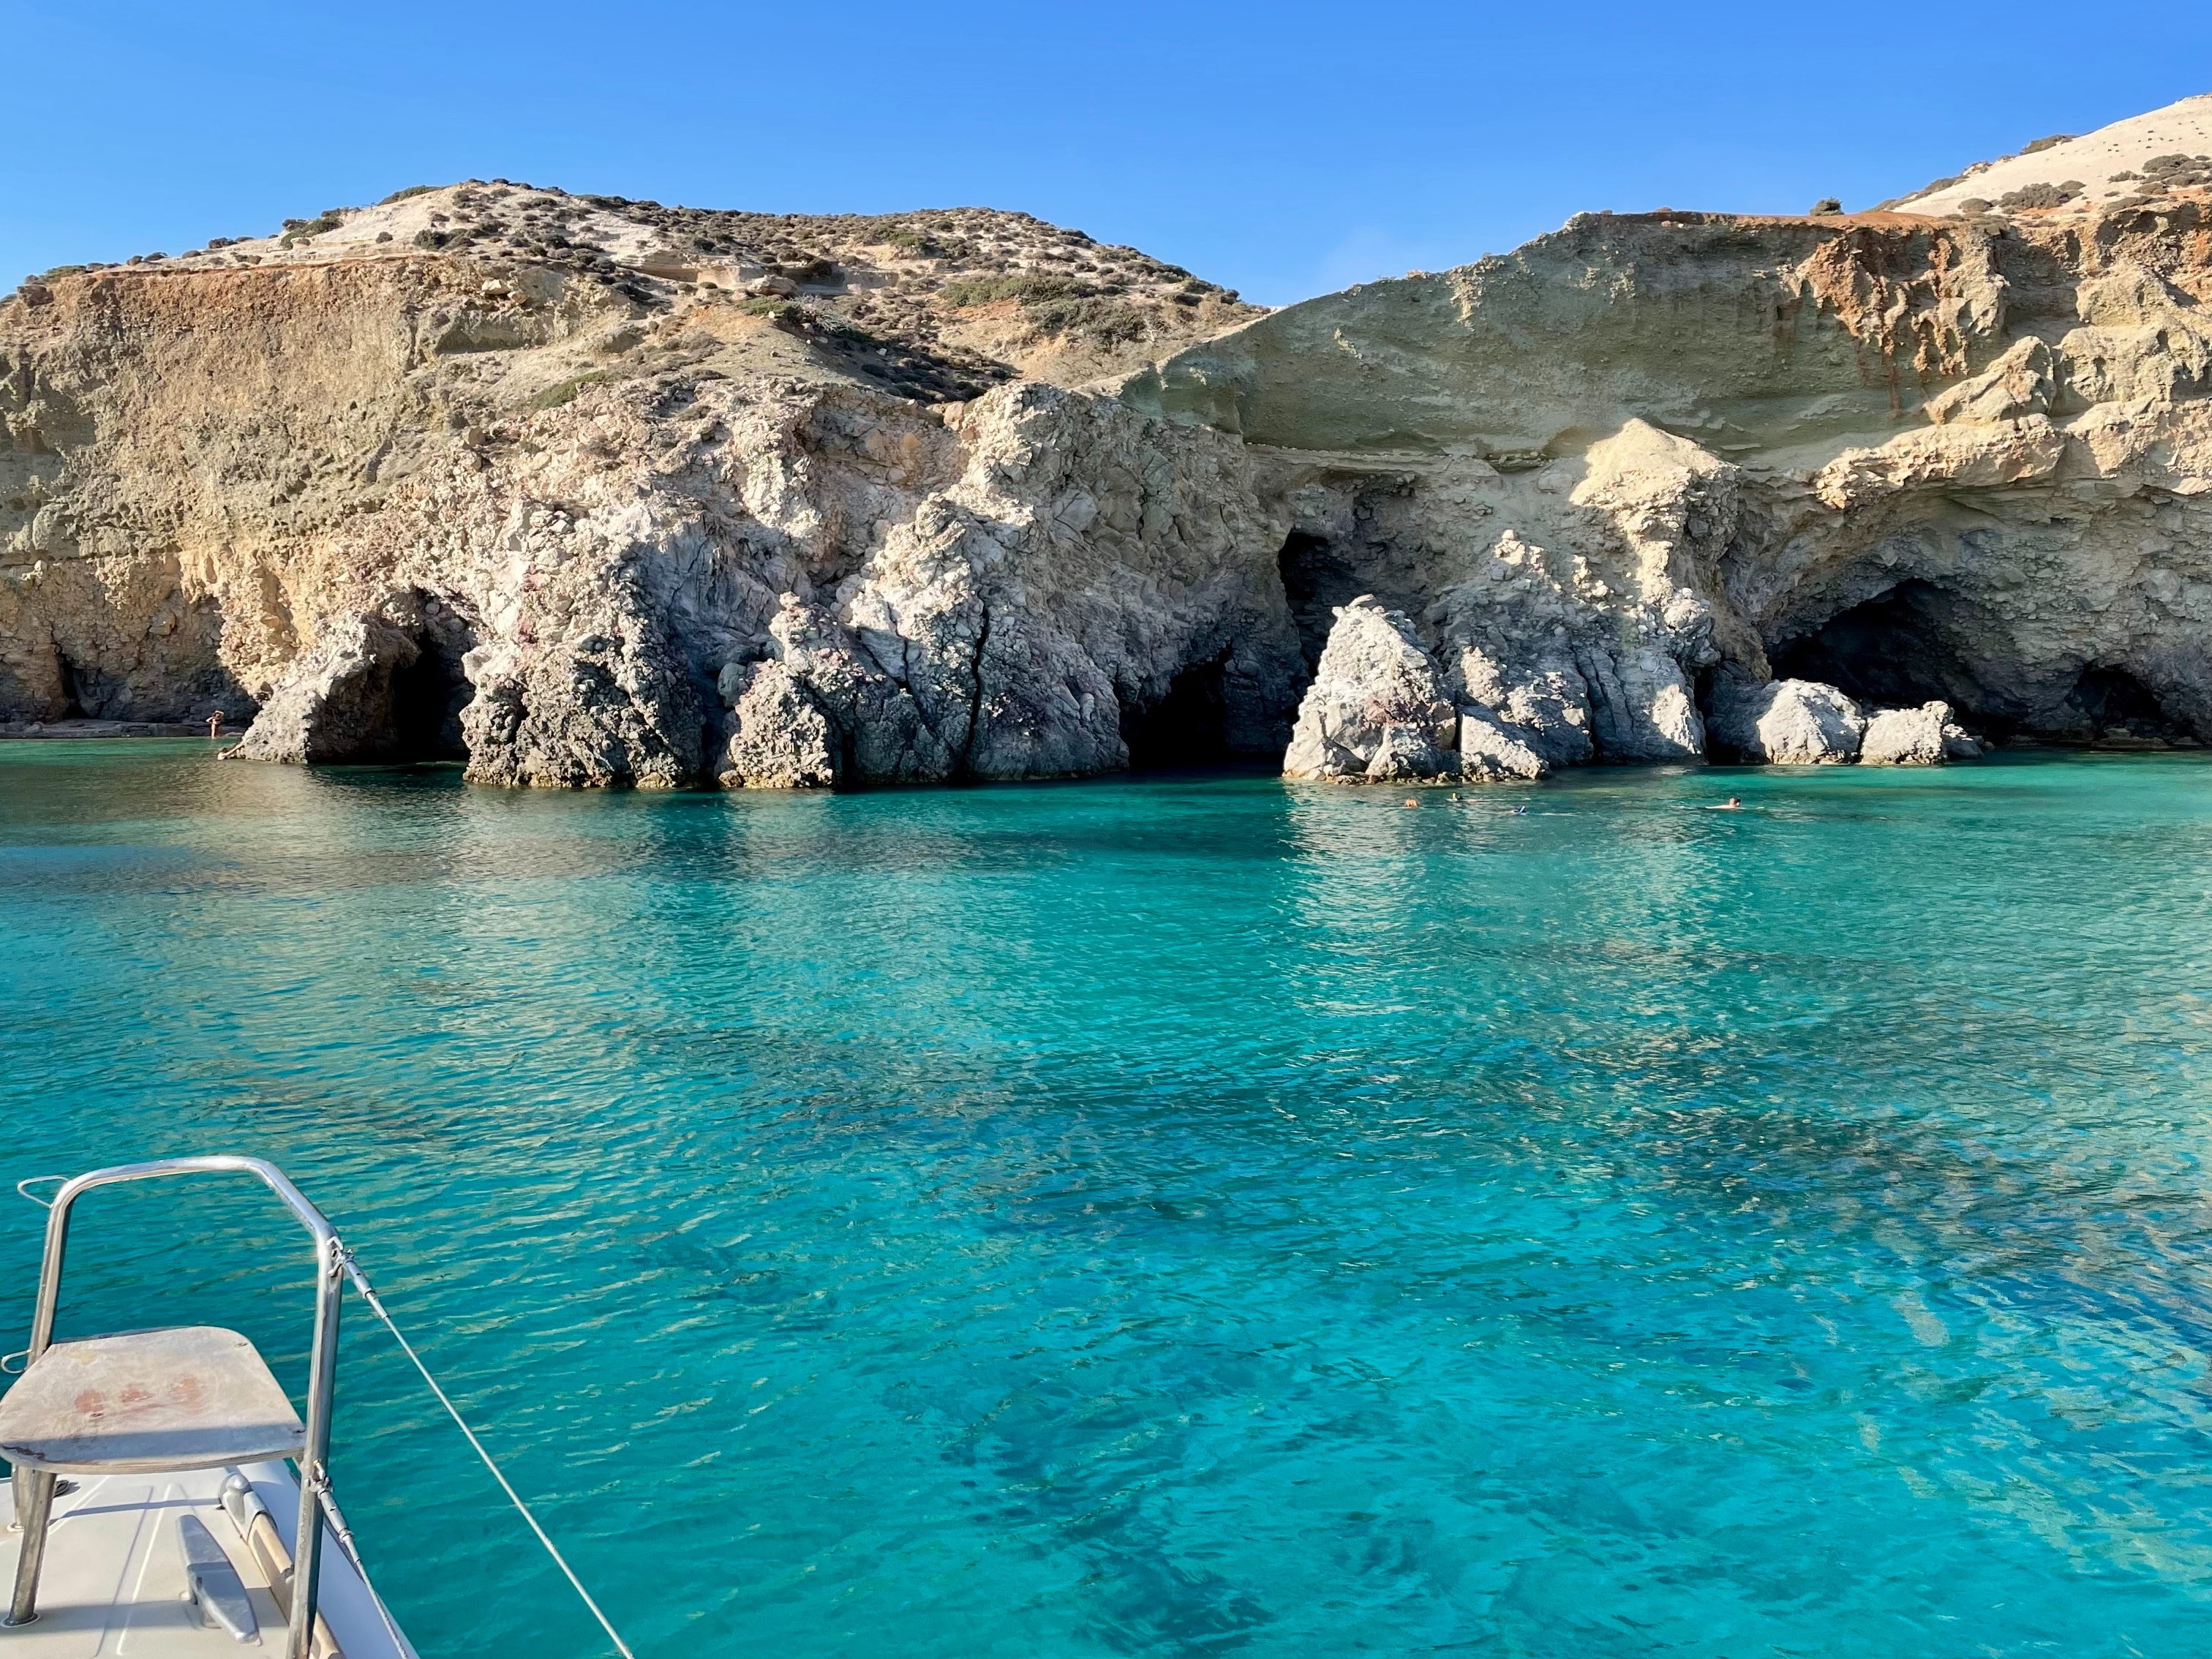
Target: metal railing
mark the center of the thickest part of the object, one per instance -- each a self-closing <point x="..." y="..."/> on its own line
<point x="34" y="1488"/>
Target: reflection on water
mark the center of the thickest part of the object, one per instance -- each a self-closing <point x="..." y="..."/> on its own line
<point x="1187" y="1217"/>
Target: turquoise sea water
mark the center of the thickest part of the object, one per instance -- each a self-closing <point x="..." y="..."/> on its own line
<point x="1182" y="1218"/>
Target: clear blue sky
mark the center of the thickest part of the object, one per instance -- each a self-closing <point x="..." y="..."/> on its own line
<point x="1283" y="150"/>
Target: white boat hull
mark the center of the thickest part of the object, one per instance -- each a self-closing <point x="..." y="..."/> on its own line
<point x="115" y="1580"/>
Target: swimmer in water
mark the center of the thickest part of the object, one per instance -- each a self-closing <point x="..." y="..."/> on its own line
<point x="214" y="724"/>
<point x="1732" y="803"/>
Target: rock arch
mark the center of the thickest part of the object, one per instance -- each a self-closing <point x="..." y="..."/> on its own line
<point x="383" y="686"/>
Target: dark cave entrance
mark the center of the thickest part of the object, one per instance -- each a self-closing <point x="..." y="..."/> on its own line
<point x="1317" y="577"/>
<point x="1902" y="648"/>
<point x="426" y="696"/>
<point x="90" y="692"/>
<point x="72" y="690"/>
<point x="1897" y="650"/>
<point x="2109" y="705"/>
<point x="1188" y="728"/>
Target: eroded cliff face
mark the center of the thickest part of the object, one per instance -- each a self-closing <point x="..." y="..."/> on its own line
<point x="612" y="493"/>
<point x="1642" y="467"/>
<point x="597" y="493"/>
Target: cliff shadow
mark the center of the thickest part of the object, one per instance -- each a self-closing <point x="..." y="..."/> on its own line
<point x="1900" y="649"/>
<point x="1317" y="577"/>
<point x="74" y="682"/>
<point x="1210" y="719"/>
<point x="1916" y="643"/>
<point x="1320" y="573"/>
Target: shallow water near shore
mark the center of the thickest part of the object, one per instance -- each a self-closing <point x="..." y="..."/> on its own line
<point x="1179" y="1217"/>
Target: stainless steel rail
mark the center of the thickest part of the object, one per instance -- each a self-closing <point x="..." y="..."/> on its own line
<point x="34" y="1488"/>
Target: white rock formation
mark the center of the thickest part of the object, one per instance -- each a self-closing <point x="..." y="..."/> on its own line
<point x="1376" y="712"/>
<point x="2078" y="176"/>
<point x="639" y="527"/>
<point x="783" y="740"/>
<point x="1492" y="749"/>
<point x="1057" y="562"/>
<point x="1912" y="458"/>
<point x="372" y="687"/>
<point x="541" y="448"/>
<point x="1926" y="736"/>
<point x="337" y="702"/>
<point x="1787" y="723"/>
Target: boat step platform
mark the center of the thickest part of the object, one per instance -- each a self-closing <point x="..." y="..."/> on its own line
<point x="116" y="1581"/>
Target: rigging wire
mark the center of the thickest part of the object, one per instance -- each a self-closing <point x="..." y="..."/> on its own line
<point x="320" y="1493"/>
<point x="344" y="1534"/>
<point x="362" y="1284"/>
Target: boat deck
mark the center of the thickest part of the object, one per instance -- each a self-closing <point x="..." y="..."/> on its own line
<point x="114" y="1582"/>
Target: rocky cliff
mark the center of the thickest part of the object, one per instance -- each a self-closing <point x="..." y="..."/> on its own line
<point x="599" y="492"/>
<point x="1627" y="483"/>
<point x="596" y="492"/>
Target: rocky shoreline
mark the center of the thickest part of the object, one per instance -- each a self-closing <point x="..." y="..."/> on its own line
<point x="591" y="493"/>
<point x="81" y="730"/>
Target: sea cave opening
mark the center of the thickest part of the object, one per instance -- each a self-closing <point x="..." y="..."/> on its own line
<point x="2109" y="705"/>
<point x="1897" y="650"/>
<point x="1317" y="577"/>
<point x="428" y="697"/>
<point x="72" y="691"/>
<point x="428" y="694"/>
<point x="1187" y="727"/>
<point x="1906" y="647"/>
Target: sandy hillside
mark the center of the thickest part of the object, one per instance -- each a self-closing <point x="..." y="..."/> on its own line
<point x="931" y="304"/>
<point x="2146" y="155"/>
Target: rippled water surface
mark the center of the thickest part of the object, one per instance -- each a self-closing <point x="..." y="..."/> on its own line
<point x="1181" y="1217"/>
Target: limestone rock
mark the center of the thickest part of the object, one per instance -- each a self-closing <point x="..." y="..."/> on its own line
<point x="1515" y="452"/>
<point x="1495" y="750"/>
<point x="2076" y="176"/>
<point x="1543" y="707"/>
<point x="783" y="741"/>
<point x="983" y="499"/>
<point x="595" y="694"/>
<point x="555" y="417"/>
<point x="2017" y="385"/>
<point x="1926" y="736"/>
<point x="1959" y="744"/>
<point x="1068" y="565"/>
<point x="1376" y="710"/>
<point x="337" y="703"/>
<point x="1907" y="737"/>
<point x="1788" y="723"/>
